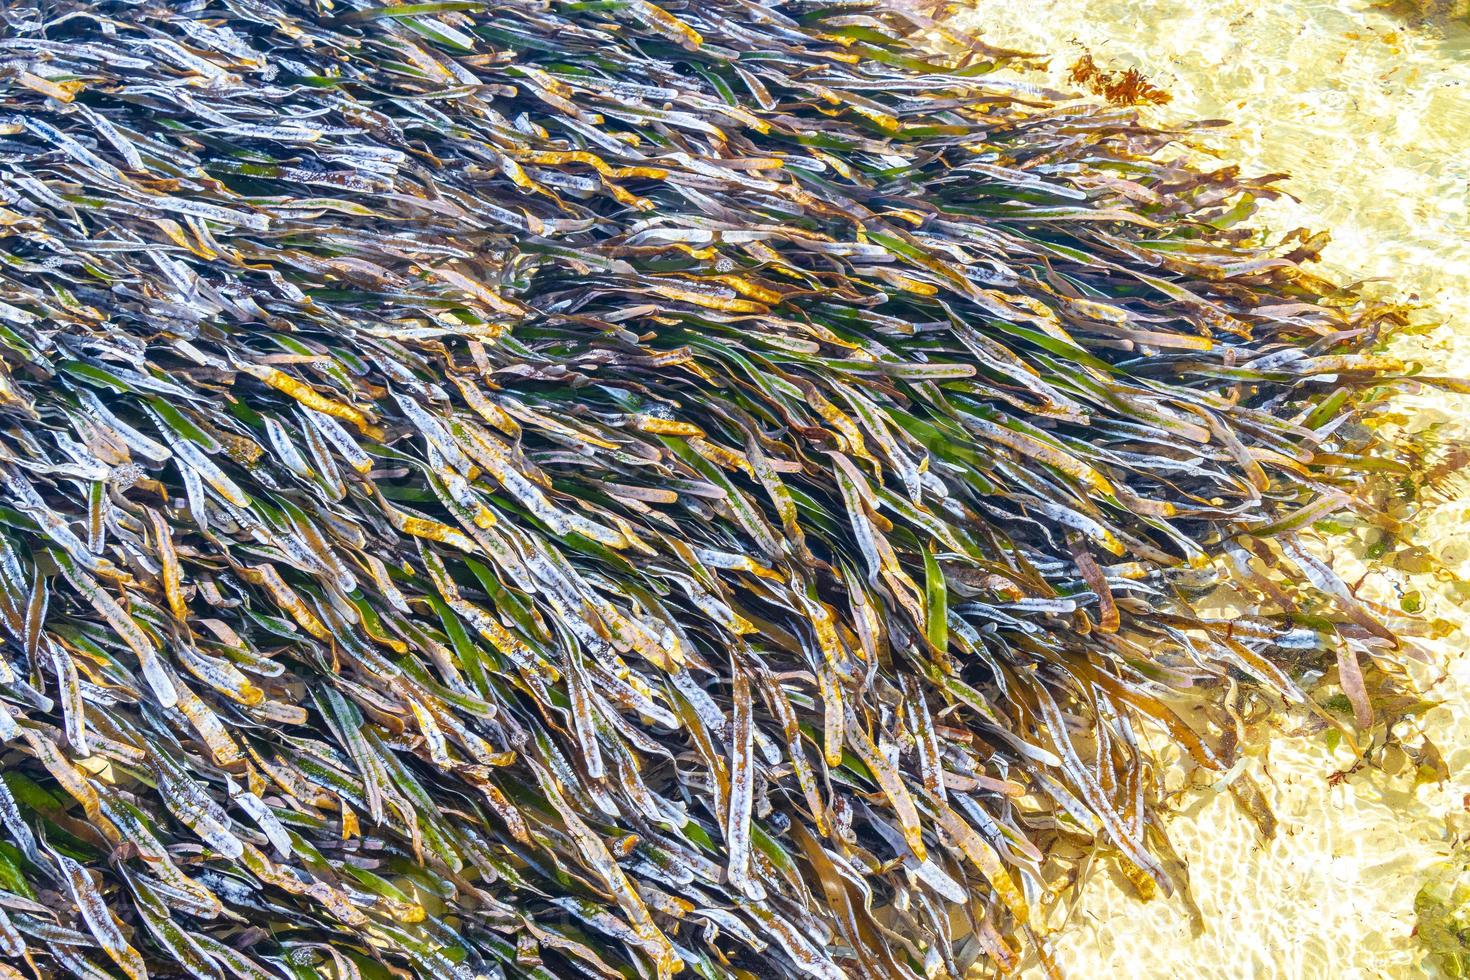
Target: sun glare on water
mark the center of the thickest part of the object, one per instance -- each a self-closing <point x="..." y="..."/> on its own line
<point x="1368" y="109"/>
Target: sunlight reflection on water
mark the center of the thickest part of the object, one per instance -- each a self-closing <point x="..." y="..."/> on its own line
<point x="1370" y="114"/>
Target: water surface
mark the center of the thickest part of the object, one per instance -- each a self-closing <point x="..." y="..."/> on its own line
<point x="1369" y="111"/>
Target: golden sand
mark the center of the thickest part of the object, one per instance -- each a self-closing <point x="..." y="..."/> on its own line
<point x="1370" y="113"/>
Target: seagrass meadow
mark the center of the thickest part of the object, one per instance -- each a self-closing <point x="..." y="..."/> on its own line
<point x="596" y="488"/>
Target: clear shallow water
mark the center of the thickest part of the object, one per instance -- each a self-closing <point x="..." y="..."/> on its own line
<point x="1370" y="114"/>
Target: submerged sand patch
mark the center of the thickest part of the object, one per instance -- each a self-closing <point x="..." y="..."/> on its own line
<point x="1369" y="110"/>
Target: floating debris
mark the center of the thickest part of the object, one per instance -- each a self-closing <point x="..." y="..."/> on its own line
<point x="1127" y="87"/>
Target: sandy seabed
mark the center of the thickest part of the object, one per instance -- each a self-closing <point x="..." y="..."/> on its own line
<point x="1368" y="108"/>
